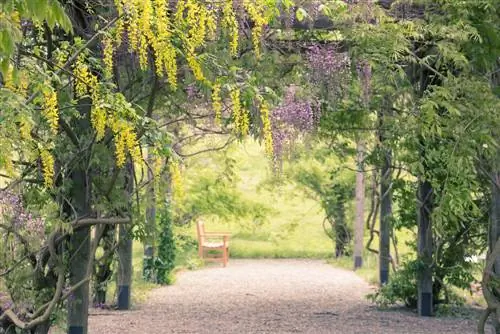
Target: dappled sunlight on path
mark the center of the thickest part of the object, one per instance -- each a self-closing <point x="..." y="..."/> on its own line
<point x="268" y="296"/>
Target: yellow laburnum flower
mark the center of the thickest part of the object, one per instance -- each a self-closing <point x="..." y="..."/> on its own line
<point x="235" y="100"/>
<point x="162" y="36"/>
<point x="120" y="150"/>
<point x="8" y="81"/>
<point x="112" y="123"/>
<point x="195" y="19"/>
<point x="231" y="24"/>
<point x="169" y="59"/>
<point x="157" y="166"/>
<point x="23" y="84"/>
<point x="266" y="127"/>
<point x="47" y="167"/>
<point x="82" y="76"/>
<point x="126" y="141"/>
<point x="25" y="130"/>
<point x="49" y="110"/>
<point x="145" y="33"/>
<point x="132" y="144"/>
<point x="7" y="166"/>
<point x="179" y="13"/>
<point x="195" y="65"/>
<point x="176" y="179"/>
<point x="255" y="10"/>
<point x="15" y="18"/>
<point x="211" y="23"/>
<point x="98" y="120"/>
<point x="216" y="102"/>
<point x="245" y="122"/>
<point x="133" y="23"/>
<point x="108" y="58"/>
<point x="120" y="24"/>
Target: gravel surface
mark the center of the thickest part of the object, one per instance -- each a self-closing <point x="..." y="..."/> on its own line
<point x="268" y="296"/>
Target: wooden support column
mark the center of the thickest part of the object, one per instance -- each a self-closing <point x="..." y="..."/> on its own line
<point x="425" y="247"/>
<point x="360" y="208"/>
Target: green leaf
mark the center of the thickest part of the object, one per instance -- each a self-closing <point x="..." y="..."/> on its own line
<point x="301" y="14"/>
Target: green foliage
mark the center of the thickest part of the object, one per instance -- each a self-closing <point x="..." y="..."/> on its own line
<point x="39" y="11"/>
<point x="333" y="187"/>
<point x="164" y="263"/>
<point x="402" y="287"/>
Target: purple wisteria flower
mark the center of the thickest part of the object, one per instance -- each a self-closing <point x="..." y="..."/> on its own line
<point x="292" y="118"/>
<point x="13" y="211"/>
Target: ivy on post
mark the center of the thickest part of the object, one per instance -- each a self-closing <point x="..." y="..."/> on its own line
<point x="385" y="199"/>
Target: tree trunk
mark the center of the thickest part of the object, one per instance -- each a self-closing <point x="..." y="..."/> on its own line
<point x="360" y="208"/>
<point x="125" y="248"/>
<point x="425" y="248"/>
<point x="149" y="247"/>
<point x="79" y="242"/>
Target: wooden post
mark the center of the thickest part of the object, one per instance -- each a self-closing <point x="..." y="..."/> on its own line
<point x="425" y="248"/>
<point x="125" y="248"/>
<point x="78" y="302"/>
<point x="494" y="232"/>
<point x="79" y="243"/>
<point x="385" y="217"/>
<point x="360" y="208"/>
<point x="385" y="201"/>
<point x="124" y="267"/>
<point x="149" y="247"/>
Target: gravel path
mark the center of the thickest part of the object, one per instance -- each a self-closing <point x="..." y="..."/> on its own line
<point x="268" y="296"/>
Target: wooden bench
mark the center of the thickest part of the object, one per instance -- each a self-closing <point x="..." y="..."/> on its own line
<point x="208" y="242"/>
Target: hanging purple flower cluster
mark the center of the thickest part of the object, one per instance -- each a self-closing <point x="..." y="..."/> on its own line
<point x="13" y="210"/>
<point x="329" y="67"/>
<point x="291" y="119"/>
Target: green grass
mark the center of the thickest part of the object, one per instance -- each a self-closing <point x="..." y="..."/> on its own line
<point x="292" y="229"/>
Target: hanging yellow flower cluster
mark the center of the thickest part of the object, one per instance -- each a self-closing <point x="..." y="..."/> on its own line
<point x="176" y="181"/>
<point x="125" y="141"/>
<point x="17" y="83"/>
<point x="157" y="164"/>
<point x="47" y="167"/>
<point x="216" y="101"/>
<point x="88" y="83"/>
<point x="256" y="11"/>
<point x="83" y="77"/>
<point x="49" y="110"/>
<point x="98" y="117"/>
<point x="231" y="24"/>
<point x="245" y="122"/>
<point x="108" y="58"/>
<point x="8" y="81"/>
<point x="266" y="126"/>
<point x="25" y="129"/>
<point x="193" y="23"/>
<point x="237" y="115"/>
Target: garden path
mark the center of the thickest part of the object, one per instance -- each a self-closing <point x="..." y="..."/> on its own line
<point x="268" y="296"/>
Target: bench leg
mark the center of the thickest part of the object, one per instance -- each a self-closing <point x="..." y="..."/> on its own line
<point x="225" y="256"/>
